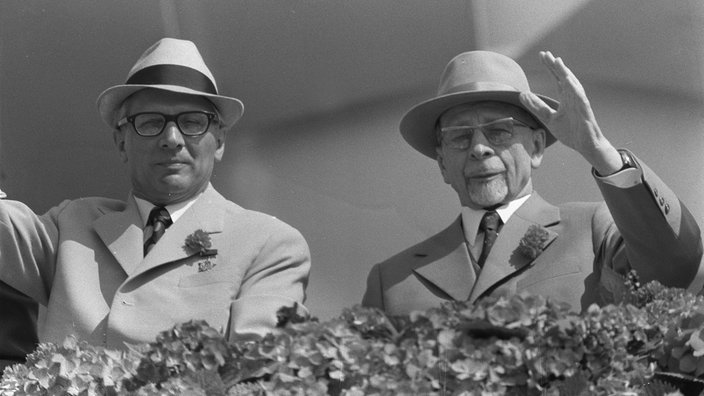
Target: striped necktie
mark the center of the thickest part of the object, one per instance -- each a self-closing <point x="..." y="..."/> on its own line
<point x="159" y="220"/>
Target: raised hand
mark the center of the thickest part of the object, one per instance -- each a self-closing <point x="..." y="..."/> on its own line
<point x="573" y="123"/>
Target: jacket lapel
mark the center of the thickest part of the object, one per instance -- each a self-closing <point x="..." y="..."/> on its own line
<point x="444" y="262"/>
<point x="205" y="214"/>
<point x="121" y="232"/>
<point x="504" y="260"/>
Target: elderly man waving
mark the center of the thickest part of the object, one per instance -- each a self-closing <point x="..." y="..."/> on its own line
<point x="488" y="133"/>
<point x="112" y="271"/>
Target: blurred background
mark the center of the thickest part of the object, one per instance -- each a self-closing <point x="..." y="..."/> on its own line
<point x="325" y="83"/>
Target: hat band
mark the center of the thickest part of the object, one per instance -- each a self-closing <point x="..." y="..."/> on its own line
<point x="479" y="86"/>
<point x="173" y="75"/>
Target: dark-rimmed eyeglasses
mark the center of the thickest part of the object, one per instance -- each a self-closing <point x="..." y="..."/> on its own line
<point x="190" y="123"/>
<point x="498" y="133"/>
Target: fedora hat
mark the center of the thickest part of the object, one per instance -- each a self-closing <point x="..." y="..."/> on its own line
<point x="170" y="65"/>
<point x="473" y="76"/>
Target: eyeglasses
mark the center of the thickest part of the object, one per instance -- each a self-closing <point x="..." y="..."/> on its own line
<point x="498" y="133"/>
<point x="190" y="123"/>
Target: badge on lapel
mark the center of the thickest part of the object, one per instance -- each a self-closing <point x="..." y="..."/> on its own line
<point x="199" y="243"/>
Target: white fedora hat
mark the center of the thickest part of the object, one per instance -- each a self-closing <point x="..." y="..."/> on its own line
<point x="171" y="65"/>
<point x="474" y="76"/>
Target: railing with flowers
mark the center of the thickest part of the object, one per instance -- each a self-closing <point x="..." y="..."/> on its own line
<point x="651" y="344"/>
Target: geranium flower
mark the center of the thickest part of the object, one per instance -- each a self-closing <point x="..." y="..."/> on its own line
<point x="199" y="242"/>
<point x="533" y="242"/>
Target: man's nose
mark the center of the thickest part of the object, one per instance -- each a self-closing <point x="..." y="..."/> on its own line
<point x="479" y="146"/>
<point x="171" y="137"/>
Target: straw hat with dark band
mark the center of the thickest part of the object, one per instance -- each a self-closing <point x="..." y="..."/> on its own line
<point x="474" y="76"/>
<point x="171" y="65"/>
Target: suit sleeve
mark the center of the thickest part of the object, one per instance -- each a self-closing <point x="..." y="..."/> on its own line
<point x="373" y="296"/>
<point x="27" y="257"/>
<point x="18" y="326"/>
<point x="28" y="248"/>
<point x="652" y="232"/>
<point x="277" y="278"/>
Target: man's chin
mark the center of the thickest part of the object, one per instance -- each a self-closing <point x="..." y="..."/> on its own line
<point x="172" y="191"/>
<point x="174" y="182"/>
<point x="487" y="201"/>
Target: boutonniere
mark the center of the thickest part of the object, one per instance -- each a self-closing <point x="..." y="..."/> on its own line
<point x="199" y="243"/>
<point x="533" y="242"/>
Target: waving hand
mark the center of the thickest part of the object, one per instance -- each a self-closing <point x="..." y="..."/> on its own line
<point x="573" y="123"/>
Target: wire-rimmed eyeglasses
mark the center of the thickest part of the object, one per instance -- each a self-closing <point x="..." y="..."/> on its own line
<point x="498" y="133"/>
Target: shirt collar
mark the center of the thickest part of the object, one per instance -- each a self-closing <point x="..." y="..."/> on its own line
<point x="472" y="217"/>
<point x="175" y="210"/>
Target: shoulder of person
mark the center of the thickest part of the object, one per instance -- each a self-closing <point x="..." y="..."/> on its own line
<point x="97" y="205"/>
<point x="426" y="251"/>
<point x="255" y="220"/>
<point x="596" y="214"/>
<point x="581" y="207"/>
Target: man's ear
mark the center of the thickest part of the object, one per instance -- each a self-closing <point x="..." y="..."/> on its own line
<point x="538" y="147"/>
<point x="220" y="140"/>
<point x="441" y="163"/>
<point x="118" y="136"/>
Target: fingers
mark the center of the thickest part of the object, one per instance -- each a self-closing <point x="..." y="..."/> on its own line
<point x="536" y="106"/>
<point x="556" y="66"/>
<point x="566" y="80"/>
<point x="547" y="58"/>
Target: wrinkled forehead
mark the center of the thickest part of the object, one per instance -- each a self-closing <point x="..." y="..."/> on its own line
<point x="481" y="112"/>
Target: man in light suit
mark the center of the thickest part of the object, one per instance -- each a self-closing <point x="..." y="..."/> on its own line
<point x="488" y="132"/>
<point x="115" y="272"/>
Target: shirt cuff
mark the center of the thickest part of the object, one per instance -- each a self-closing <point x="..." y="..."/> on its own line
<point x="622" y="179"/>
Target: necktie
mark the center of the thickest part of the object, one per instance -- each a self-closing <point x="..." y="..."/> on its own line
<point x="159" y="220"/>
<point x="490" y="226"/>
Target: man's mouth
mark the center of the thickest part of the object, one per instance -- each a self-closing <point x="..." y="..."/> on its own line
<point x="485" y="176"/>
<point x="172" y="164"/>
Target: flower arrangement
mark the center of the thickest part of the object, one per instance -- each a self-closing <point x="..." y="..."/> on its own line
<point x="522" y="345"/>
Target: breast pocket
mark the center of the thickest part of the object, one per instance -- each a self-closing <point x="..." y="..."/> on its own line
<point x="551" y="279"/>
<point x="566" y="286"/>
<point x="207" y="278"/>
<point x="206" y="296"/>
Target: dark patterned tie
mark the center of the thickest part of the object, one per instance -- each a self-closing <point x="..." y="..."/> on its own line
<point x="159" y="220"/>
<point x="490" y="226"/>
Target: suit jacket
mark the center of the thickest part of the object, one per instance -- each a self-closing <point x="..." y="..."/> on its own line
<point x="18" y="326"/>
<point x="83" y="260"/>
<point x="589" y="249"/>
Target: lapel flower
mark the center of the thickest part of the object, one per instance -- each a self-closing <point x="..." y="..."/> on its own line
<point x="533" y="242"/>
<point x="199" y="242"/>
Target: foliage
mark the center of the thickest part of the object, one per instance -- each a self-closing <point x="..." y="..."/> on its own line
<point x="522" y="345"/>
